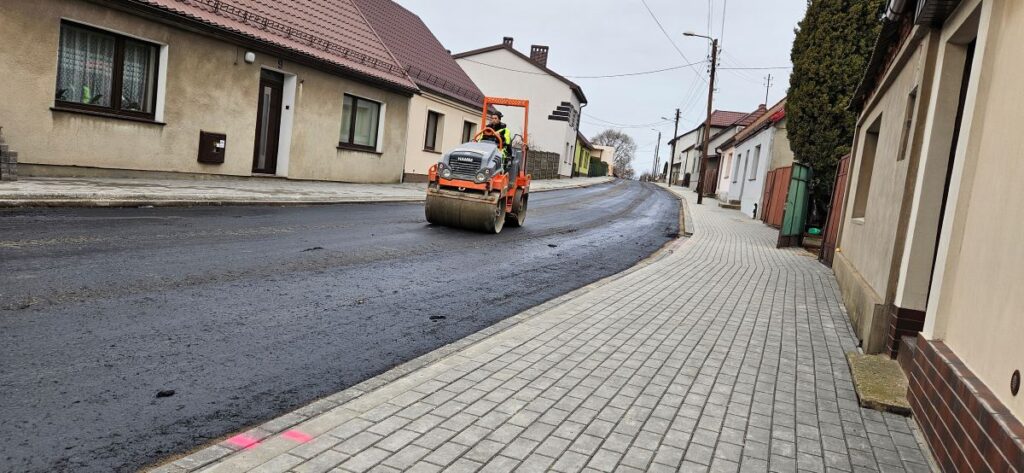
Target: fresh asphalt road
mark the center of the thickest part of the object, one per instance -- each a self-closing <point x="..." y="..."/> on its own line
<point x="249" y="312"/>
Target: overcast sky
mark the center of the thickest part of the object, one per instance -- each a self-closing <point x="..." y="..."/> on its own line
<point x="604" y="37"/>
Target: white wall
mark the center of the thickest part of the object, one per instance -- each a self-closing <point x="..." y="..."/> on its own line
<point x="544" y="92"/>
<point x="728" y="163"/>
<point x="747" y="177"/>
<point x="683" y="159"/>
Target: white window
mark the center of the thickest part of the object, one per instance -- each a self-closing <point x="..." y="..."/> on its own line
<point x="435" y="127"/>
<point x="468" y="131"/>
<point x="359" y="123"/>
<point x="757" y="158"/>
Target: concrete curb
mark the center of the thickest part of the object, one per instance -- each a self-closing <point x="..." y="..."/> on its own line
<point x="91" y="200"/>
<point x="200" y="456"/>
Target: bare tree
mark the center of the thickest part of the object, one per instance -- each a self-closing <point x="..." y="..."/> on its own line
<point x="625" y="149"/>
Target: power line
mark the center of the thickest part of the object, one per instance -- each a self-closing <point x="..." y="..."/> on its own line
<point x="669" y="38"/>
<point x="721" y="33"/>
<point x="608" y="76"/>
<point x="754" y="68"/>
<point x="622" y="125"/>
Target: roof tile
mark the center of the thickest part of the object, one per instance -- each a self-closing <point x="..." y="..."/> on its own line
<point x="426" y="60"/>
<point x="333" y="31"/>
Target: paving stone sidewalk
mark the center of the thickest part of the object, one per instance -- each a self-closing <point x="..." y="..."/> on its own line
<point x="99" y="191"/>
<point x="720" y="354"/>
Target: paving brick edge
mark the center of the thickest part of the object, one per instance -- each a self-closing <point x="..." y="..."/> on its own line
<point x="91" y="201"/>
<point x="285" y="421"/>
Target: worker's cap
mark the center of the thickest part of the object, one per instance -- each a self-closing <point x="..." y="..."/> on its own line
<point x="494" y="111"/>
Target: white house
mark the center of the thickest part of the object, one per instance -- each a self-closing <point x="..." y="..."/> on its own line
<point x="685" y="157"/>
<point x="555" y="102"/>
<point x="757" y="149"/>
<point x="689" y="145"/>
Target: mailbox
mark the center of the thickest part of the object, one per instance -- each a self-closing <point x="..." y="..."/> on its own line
<point x="212" y="147"/>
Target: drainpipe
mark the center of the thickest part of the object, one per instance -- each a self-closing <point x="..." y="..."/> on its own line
<point x="575" y="135"/>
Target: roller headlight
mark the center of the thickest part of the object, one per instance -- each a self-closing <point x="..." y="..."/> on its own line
<point x="446" y="173"/>
<point x="481" y="177"/>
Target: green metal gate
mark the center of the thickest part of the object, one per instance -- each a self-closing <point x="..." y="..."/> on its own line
<point x="794" y="218"/>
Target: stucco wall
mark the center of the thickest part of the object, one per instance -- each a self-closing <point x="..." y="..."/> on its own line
<point x="782" y="153"/>
<point x="867" y="243"/>
<point x="749" y="185"/>
<point x="607" y="155"/>
<point x="419" y="160"/>
<point x="728" y="161"/>
<point x="544" y="92"/>
<point x="980" y="299"/>
<point x="208" y="87"/>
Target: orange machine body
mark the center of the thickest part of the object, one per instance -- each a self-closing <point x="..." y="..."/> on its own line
<point x="499" y="182"/>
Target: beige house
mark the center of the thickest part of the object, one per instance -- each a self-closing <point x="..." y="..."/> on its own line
<point x="447" y="111"/>
<point x="230" y="88"/>
<point x="929" y="239"/>
<point x="606" y="154"/>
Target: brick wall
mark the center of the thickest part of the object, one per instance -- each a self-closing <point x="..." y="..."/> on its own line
<point x="967" y="428"/>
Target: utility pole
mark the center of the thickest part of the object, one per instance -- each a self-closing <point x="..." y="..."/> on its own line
<point x="707" y="124"/>
<point x="656" y="148"/>
<point x="767" y="88"/>
<point x="672" y="157"/>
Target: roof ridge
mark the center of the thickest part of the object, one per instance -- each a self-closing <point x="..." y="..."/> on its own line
<point x="502" y="46"/>
<point x="422" y="56"/>
<point x="382" y="42"/>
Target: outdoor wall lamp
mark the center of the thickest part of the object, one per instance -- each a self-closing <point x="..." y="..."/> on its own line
<point x="250" y="57"/>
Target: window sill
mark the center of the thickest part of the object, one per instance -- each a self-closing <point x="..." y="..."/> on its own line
<point x="115" y="116"/>
<point x="347" y="147"/>
<point x="432" y="151"/>
<point x="857" y="220"/>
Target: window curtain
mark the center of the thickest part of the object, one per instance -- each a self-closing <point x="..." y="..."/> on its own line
<point x="139" y="72"/>
<point x="85" y="67"/>
<point x="367" y="114"/>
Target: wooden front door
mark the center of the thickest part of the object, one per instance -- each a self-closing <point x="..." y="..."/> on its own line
<point x="268" y="122"/>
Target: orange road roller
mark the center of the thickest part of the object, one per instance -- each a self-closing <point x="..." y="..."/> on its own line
<point x="482" y="185"/>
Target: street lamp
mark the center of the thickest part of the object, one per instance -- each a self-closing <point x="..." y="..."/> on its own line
<point x="707" y="124"/>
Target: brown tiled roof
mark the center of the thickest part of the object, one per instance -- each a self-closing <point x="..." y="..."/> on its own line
<point x="723" y="118"/>
<point x="426" y="60"/>
<point x="572" y="85"/>
<point x="771" y="117"/>
<point x="744" y="121"/>
<point x="719" y="119"/>
<point x="331" y="31"/>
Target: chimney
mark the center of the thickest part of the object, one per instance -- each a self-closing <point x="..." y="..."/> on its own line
<point x="507" y="41"/>
<point x="539" y="54"/>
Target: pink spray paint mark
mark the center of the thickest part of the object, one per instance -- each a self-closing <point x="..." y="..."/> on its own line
<point x="243" y="441"/>
<point x="297" y="436"/>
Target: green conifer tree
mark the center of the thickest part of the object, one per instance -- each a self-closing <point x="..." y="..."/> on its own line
<point x="830" y="53"/>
